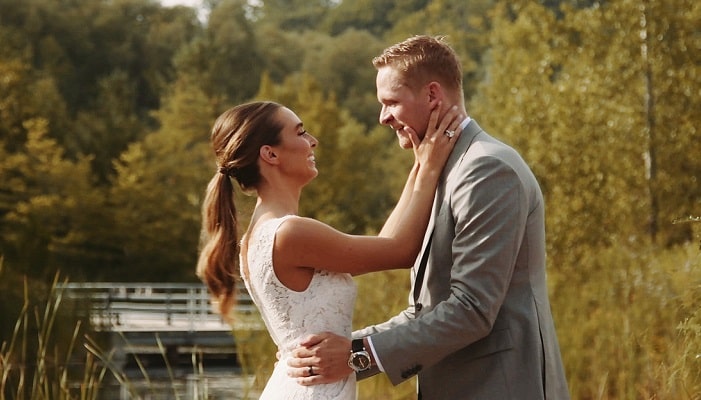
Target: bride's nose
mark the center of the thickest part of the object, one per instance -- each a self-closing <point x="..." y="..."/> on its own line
<point x="312" y="140"/>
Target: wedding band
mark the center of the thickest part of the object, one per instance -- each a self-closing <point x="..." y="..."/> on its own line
<point x="449" y="133"/>
<point x="310" y="370"/>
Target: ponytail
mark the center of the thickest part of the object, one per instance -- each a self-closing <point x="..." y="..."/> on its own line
<point x="237" y="136"/>
<point x="216" y="266"/>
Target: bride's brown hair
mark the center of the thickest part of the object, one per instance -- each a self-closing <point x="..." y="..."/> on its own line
<point x="237" y="136"/>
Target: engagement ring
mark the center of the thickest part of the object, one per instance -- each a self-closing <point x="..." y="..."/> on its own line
<point x="449" y="133"/>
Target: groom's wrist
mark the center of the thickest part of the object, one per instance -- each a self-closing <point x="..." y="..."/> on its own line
<point x="360" y="359"/>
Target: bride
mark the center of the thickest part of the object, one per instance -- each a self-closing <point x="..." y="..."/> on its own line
<point x="298" y="270"/>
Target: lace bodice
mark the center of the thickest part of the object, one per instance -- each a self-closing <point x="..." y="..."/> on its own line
<point x="326" y="305"/>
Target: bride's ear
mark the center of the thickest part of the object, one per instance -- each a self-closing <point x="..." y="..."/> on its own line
<point x="267" y="154"/>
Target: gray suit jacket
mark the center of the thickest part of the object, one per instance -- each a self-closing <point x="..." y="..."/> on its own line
<point x="482" y="326"/>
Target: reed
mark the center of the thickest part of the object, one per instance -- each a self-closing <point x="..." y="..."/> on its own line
<point x="38" y="361"/>
<point x="33" y="365"/>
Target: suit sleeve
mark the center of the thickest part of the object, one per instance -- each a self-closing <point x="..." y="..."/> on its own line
<point x="489" y="209"/>
<point x="398" y="319"/>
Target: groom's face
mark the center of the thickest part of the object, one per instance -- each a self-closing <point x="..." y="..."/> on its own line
<point x="402" y="106"/>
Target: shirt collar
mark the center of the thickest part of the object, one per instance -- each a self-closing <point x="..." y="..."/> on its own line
<point x="464" y="123"/>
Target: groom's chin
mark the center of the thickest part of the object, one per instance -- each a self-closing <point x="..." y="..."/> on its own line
<point x="404" y="142"/>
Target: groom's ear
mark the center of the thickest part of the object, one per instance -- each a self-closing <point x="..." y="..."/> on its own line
<point x="435" y="93"/>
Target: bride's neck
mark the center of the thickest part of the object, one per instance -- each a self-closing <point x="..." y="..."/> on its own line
<point x="277" y="202"/>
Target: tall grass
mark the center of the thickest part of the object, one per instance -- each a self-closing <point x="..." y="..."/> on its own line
<point x="38" y="361"/>
<point x="34" y="366"/>
<point x="628" y="322"/>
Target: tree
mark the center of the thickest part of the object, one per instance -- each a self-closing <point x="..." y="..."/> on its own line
<point x="80" y="41"/>
<point x="85" y="45"/>
<point x="24" y="94"/>
<point x="113" y="123"/>
<point x="291" y="15"/>
<point x="345" y="71"/>
<point x="672" y="80"/>
<point x="157" y="192"/>
<point x="373" y="16"/>
<point x="225" y="58"/>
<point x="56" y="211"/>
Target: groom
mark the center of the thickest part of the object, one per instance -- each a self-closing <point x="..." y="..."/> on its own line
<point x="478" y="324"/>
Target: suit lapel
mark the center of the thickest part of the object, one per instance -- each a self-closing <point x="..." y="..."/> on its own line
<point x="447" y="176"/>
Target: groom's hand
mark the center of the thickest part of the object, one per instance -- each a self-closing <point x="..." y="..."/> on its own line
<point x="327" y="355"/>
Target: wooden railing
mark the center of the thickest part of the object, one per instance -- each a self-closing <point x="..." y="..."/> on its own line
<point x="156" y="307"/>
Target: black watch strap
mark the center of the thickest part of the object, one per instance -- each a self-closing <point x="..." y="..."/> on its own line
<point x="357" y="345"/>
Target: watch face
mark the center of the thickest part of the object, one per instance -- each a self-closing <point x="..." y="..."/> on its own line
<point x="361" y="361"/>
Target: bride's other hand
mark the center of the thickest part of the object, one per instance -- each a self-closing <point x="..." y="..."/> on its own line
<point x="326" y="353"/>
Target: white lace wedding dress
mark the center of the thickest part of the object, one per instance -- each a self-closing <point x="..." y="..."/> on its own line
<point x="326" y="305"/>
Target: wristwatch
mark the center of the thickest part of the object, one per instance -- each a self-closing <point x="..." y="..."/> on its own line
<point x="359" y="357"/>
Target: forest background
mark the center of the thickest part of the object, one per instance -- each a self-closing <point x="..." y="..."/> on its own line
<point x="106" y="106"/>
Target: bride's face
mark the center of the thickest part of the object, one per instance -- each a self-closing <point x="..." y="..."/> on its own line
<point x="296" y="148"/>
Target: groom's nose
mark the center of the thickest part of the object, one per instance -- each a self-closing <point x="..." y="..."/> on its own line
<point x="385" y="116"/>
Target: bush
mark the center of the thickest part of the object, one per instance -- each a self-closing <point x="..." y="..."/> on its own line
<point x="621" y="319"/>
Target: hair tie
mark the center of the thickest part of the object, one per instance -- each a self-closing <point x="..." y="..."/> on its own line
<point x="223" y="171"/>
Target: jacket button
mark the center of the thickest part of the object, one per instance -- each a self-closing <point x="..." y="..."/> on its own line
<point x="418" y="306"/>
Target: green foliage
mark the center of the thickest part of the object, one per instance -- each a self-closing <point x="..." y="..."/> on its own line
<point x="283" y="52"/>
<point x="557" y="85"/>
<point x="346" y="71"/>
<point x="373" y="16"/>
<point x="291" y="15"/>
<point x="26" y="93"/>
<point x="107" y="130"/>
<point x="629" y="332"/>
<point x="81" y="41"/>
<point x="572" y="93"/>
<point x="159" y="187"/>
<point x="225" y="58"/>
<point x="684" y="374"/>
<point x="255" y="351"/>
<point x="53" y="207"/>
<point x="673" y="74"/>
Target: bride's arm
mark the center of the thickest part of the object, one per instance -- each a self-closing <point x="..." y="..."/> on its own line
<point x="394" y="217"/>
